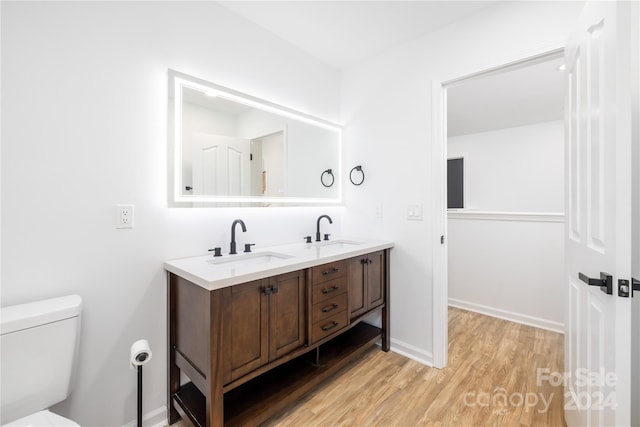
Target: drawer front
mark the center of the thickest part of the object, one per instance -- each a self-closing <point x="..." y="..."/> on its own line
<point x="328" y="308"/>
<point x="329" y="326"/>
<point x="330" y="271"/>
<point x="330" y="289"/>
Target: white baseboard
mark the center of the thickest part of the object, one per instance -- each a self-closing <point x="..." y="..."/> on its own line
<point x="524" y="319"/>
<point x="155" y="418"/>
<point x="412" y="352"/>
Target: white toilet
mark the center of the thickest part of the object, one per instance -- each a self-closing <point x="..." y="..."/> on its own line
<point x="39" y="346"/>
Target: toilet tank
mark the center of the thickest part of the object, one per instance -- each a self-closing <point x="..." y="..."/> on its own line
<point x="38" y="351"/>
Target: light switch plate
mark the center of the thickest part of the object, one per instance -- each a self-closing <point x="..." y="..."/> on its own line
<point x="414" y="212"/>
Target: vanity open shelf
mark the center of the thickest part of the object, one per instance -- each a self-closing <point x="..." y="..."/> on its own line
<point x="251" y="349"/>
<point x="266" y="395"/>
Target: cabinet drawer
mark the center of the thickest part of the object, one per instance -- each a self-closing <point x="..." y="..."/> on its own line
<point x="329" y="326"/>
<point x="328" y="308"/>
<point x="330" y="289"/>
<point x="330" y="271"/>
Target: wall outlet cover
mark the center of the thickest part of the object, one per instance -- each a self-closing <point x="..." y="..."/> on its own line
<point x="124" y="216"/>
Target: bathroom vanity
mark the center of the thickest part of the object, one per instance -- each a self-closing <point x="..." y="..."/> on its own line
<point x="254" y="332"/>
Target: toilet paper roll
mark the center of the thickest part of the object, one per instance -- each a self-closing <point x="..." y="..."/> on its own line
<point x="140" y="353"/>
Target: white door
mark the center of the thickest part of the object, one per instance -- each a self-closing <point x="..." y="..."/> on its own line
<point x="598" y="217"/>
<point x="220" y="165"/>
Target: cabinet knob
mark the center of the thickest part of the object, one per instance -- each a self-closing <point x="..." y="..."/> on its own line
<point x="270" y="290"/>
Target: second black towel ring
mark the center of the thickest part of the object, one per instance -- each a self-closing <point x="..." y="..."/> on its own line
<point x="359" y="169"/>
<point x="328" y="172"/>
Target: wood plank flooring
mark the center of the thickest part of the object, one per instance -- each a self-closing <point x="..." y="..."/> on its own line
<point x="492" y="379"/>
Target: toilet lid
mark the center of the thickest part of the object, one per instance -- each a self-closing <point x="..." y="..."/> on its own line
<point x="42" y="419"/>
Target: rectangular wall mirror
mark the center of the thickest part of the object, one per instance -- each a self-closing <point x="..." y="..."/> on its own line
<point x="227" y="148"/>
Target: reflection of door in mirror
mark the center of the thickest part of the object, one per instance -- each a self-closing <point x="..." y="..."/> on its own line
<point x="268" y="165"/>
<point x="220" y="165"/>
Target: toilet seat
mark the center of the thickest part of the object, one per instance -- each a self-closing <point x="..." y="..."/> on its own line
<point x="44" y="418"/>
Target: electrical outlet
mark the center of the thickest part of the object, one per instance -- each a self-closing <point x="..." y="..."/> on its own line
<point x="124" y="216"/>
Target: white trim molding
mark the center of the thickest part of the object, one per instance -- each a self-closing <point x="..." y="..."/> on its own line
<point x="506" y="216"/>
<point x="155" y="418"/>
<point x="412" y="352"/>
<point x="440" y="288"/>
<point x="511" y="316"/>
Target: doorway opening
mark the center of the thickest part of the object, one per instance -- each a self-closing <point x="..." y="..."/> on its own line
<point x="511" y="138"/>
<point x="268" y="166"/>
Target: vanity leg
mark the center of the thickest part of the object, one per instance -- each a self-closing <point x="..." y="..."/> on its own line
<point x="386" y="311"/>
<point x="173" y="374"/>
<point x="215" y="398"/>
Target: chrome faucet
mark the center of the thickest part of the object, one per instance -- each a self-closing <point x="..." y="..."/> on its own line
<point x="326" y="237"/>
<point x="232" y="251"/>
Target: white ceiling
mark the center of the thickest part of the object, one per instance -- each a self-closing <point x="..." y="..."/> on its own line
<point x="345" y="33"/>
<point x="217" y="103"/>
<point x="523" y="96"/>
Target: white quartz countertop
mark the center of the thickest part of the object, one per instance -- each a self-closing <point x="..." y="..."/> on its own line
<point x="213" y="273"/>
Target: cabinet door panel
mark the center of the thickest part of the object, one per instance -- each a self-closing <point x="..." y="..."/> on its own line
<point x="245" y="329"/>
<point x="286" y="314"/>
<point x="375" y="279"/>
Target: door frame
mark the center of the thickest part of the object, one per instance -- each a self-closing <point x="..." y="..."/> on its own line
<point x="635" y="179"/>
<point x="440" y="260"/>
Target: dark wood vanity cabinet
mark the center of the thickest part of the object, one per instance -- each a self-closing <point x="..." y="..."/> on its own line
<point x="251" y="349"/>
<point x="366" y="283"/>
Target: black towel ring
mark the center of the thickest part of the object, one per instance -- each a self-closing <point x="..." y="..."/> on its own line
<point x="328" y="172"/>
<point x="359" y="169"/>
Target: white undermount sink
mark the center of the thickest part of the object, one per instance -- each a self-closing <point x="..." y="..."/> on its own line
<point x="248" y="260"/>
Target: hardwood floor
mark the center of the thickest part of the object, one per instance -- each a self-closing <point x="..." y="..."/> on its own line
<point x="492" y="379"/>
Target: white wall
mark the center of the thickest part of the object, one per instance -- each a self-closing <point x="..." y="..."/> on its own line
<point x="387" y="110"/>
<point x="84" y="96"/>
<point x="518" y="169"/>
<point x="501" y="265"/>
<point x="509" y="269"/>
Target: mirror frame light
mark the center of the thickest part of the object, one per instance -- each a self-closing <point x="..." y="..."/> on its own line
<point x="179" y="80"/>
